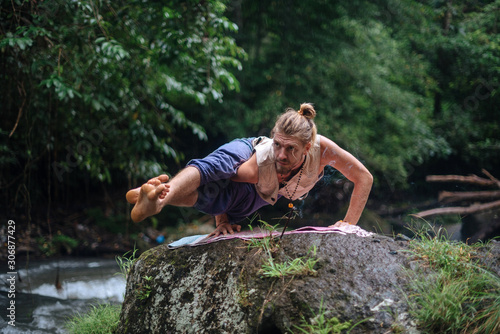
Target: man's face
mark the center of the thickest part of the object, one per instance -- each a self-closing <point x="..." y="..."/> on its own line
<point x="289" y="152"/>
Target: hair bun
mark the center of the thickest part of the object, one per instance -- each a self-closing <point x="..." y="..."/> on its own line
<point x="307" y="110"/>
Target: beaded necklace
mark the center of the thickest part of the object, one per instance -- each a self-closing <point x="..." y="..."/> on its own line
<point x="290" y="205"/>
<point x="290" y="197"/>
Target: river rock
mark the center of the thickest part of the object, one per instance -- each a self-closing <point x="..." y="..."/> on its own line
<point x="220" y="288"/>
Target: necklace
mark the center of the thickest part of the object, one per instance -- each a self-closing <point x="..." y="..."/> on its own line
<point x="290" y="205"/>
<point x="290" y="197"/>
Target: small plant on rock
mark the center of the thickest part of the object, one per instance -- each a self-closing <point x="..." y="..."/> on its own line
<point x="125" y="263"/>
<point x="301" y="266"/>
<point x="144" y="289"/>
<point x="320" y="323"/>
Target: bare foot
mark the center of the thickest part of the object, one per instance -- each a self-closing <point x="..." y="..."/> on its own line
<point x="148" y="202"/>
<point x="133" y="194"/>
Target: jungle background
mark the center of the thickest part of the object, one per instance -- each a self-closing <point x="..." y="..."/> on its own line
<point x="99" y="95"/>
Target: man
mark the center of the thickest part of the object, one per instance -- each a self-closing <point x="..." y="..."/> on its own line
<point x="246" y="174"/>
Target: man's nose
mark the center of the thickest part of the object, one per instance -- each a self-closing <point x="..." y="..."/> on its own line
<point x="281" y="154"/>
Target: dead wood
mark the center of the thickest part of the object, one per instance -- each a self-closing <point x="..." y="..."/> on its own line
<point x="474" y="208"/>
<point x="473" y="179"/>
<point x="455" y="196"/>
<point x="471" y="196"/>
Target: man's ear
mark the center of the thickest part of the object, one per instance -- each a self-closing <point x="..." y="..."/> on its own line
<point x="308" y="147"/>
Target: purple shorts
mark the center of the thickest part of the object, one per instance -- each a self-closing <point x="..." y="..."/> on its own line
<point x="217" y="194"/>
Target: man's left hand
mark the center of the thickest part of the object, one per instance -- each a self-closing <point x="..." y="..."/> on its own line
<point x="340" y="223"/>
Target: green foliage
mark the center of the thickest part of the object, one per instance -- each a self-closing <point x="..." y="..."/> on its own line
<point x="112" y="223"/>
<point x="144" y="289"/>
<point x="457" y="295"/>
<point x="267" y="242"/>
<point x="110" y="92"/>
<point x="126" y="263"/>
<point x="320" y="323"/>
<point x="303" y="266"/>
<point x="100" y="90"/>
<point x="58" y="244"/>
<point x="101" y="319"/>
<point x="388" y="82"/>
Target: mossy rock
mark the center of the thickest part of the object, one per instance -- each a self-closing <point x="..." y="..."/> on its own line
<point x="219" y="288"/>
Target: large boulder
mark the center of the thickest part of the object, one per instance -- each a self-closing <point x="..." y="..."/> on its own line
<point x="219" y="287"/>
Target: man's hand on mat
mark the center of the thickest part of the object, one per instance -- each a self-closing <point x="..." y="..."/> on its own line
<point x="340" y="223"/>
<point x="225" y="228"/>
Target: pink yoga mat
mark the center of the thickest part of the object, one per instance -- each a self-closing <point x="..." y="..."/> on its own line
<point x="197" y="240"/>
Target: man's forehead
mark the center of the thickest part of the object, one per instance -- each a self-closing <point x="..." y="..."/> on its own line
<point x="286" y="140"/>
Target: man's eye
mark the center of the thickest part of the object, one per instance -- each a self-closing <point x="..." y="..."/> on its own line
<point x="291" y="148"/>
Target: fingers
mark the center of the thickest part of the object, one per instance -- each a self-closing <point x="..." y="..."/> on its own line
<point x="340" y="223"/>
<point x="224" y="229"/>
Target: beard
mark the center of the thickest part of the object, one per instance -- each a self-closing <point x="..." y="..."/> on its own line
<point x="283" y="169"/>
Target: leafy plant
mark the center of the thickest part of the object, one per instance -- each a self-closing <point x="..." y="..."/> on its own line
<point x="320" y="323"/>
<point x="57" y="244"/>
<point x="144" y="289"/>
<point x="266" y="242"/>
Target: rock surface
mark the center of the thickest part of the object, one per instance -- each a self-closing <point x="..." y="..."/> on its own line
<point x="219" y="288"/>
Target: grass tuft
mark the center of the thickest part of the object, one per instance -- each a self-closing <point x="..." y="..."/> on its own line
<point x="101" y="319"/>
<point x="303" y="266"/>
<point x="126" y="263"/>
<point x="453" y="294"/>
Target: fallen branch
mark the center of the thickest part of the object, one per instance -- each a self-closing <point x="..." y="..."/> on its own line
<point x="474" y="208"/>
<point x="491" y="177"/>
<point x="450" y="196"/>
<point x="474" y="179"/>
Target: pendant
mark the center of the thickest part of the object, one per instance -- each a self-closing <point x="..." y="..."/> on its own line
<point x="290" y="205"/>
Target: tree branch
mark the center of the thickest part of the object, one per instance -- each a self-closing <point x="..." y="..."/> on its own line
<point x="458" y="210"/>
<point x="451" y="196"/>
<point x="474" y="179"/>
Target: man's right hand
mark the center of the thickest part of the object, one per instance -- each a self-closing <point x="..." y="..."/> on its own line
<point x="225" y="228"/>
<point x="222" y="226"/>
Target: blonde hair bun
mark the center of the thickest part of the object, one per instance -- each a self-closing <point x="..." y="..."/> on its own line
<point x="307" y="110"/>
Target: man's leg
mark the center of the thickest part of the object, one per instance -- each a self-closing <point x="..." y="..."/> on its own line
<point x="182" y="190"/>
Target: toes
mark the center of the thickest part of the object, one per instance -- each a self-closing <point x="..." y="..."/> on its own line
<point x="154" y="181"/>
<point x="163" y="178"/>
<point x="153" y="194"/>
<point x="164" y="193"/>
<point x="132" y="196"/>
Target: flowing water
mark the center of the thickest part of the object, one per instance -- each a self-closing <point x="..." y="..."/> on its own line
<point x="42" y="308"/>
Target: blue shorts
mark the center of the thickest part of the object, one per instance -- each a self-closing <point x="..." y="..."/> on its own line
<point x="217" y="194"/>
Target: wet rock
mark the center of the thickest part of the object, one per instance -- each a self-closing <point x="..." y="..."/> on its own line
<point x="219" y="288"/>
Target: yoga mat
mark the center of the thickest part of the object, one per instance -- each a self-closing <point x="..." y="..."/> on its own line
<point x="198" y="240"/>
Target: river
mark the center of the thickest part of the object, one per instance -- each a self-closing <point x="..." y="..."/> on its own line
<point x="41" y="308"/>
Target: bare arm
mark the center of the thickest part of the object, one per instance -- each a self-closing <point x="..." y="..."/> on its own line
<point x="354" y="171"/>
<point x="248" y="171"/>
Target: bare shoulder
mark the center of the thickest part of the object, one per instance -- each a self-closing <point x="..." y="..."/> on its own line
<point x="329" y="150"/>
<point x="248" y="171"/>
<point x="335" y="156"/>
